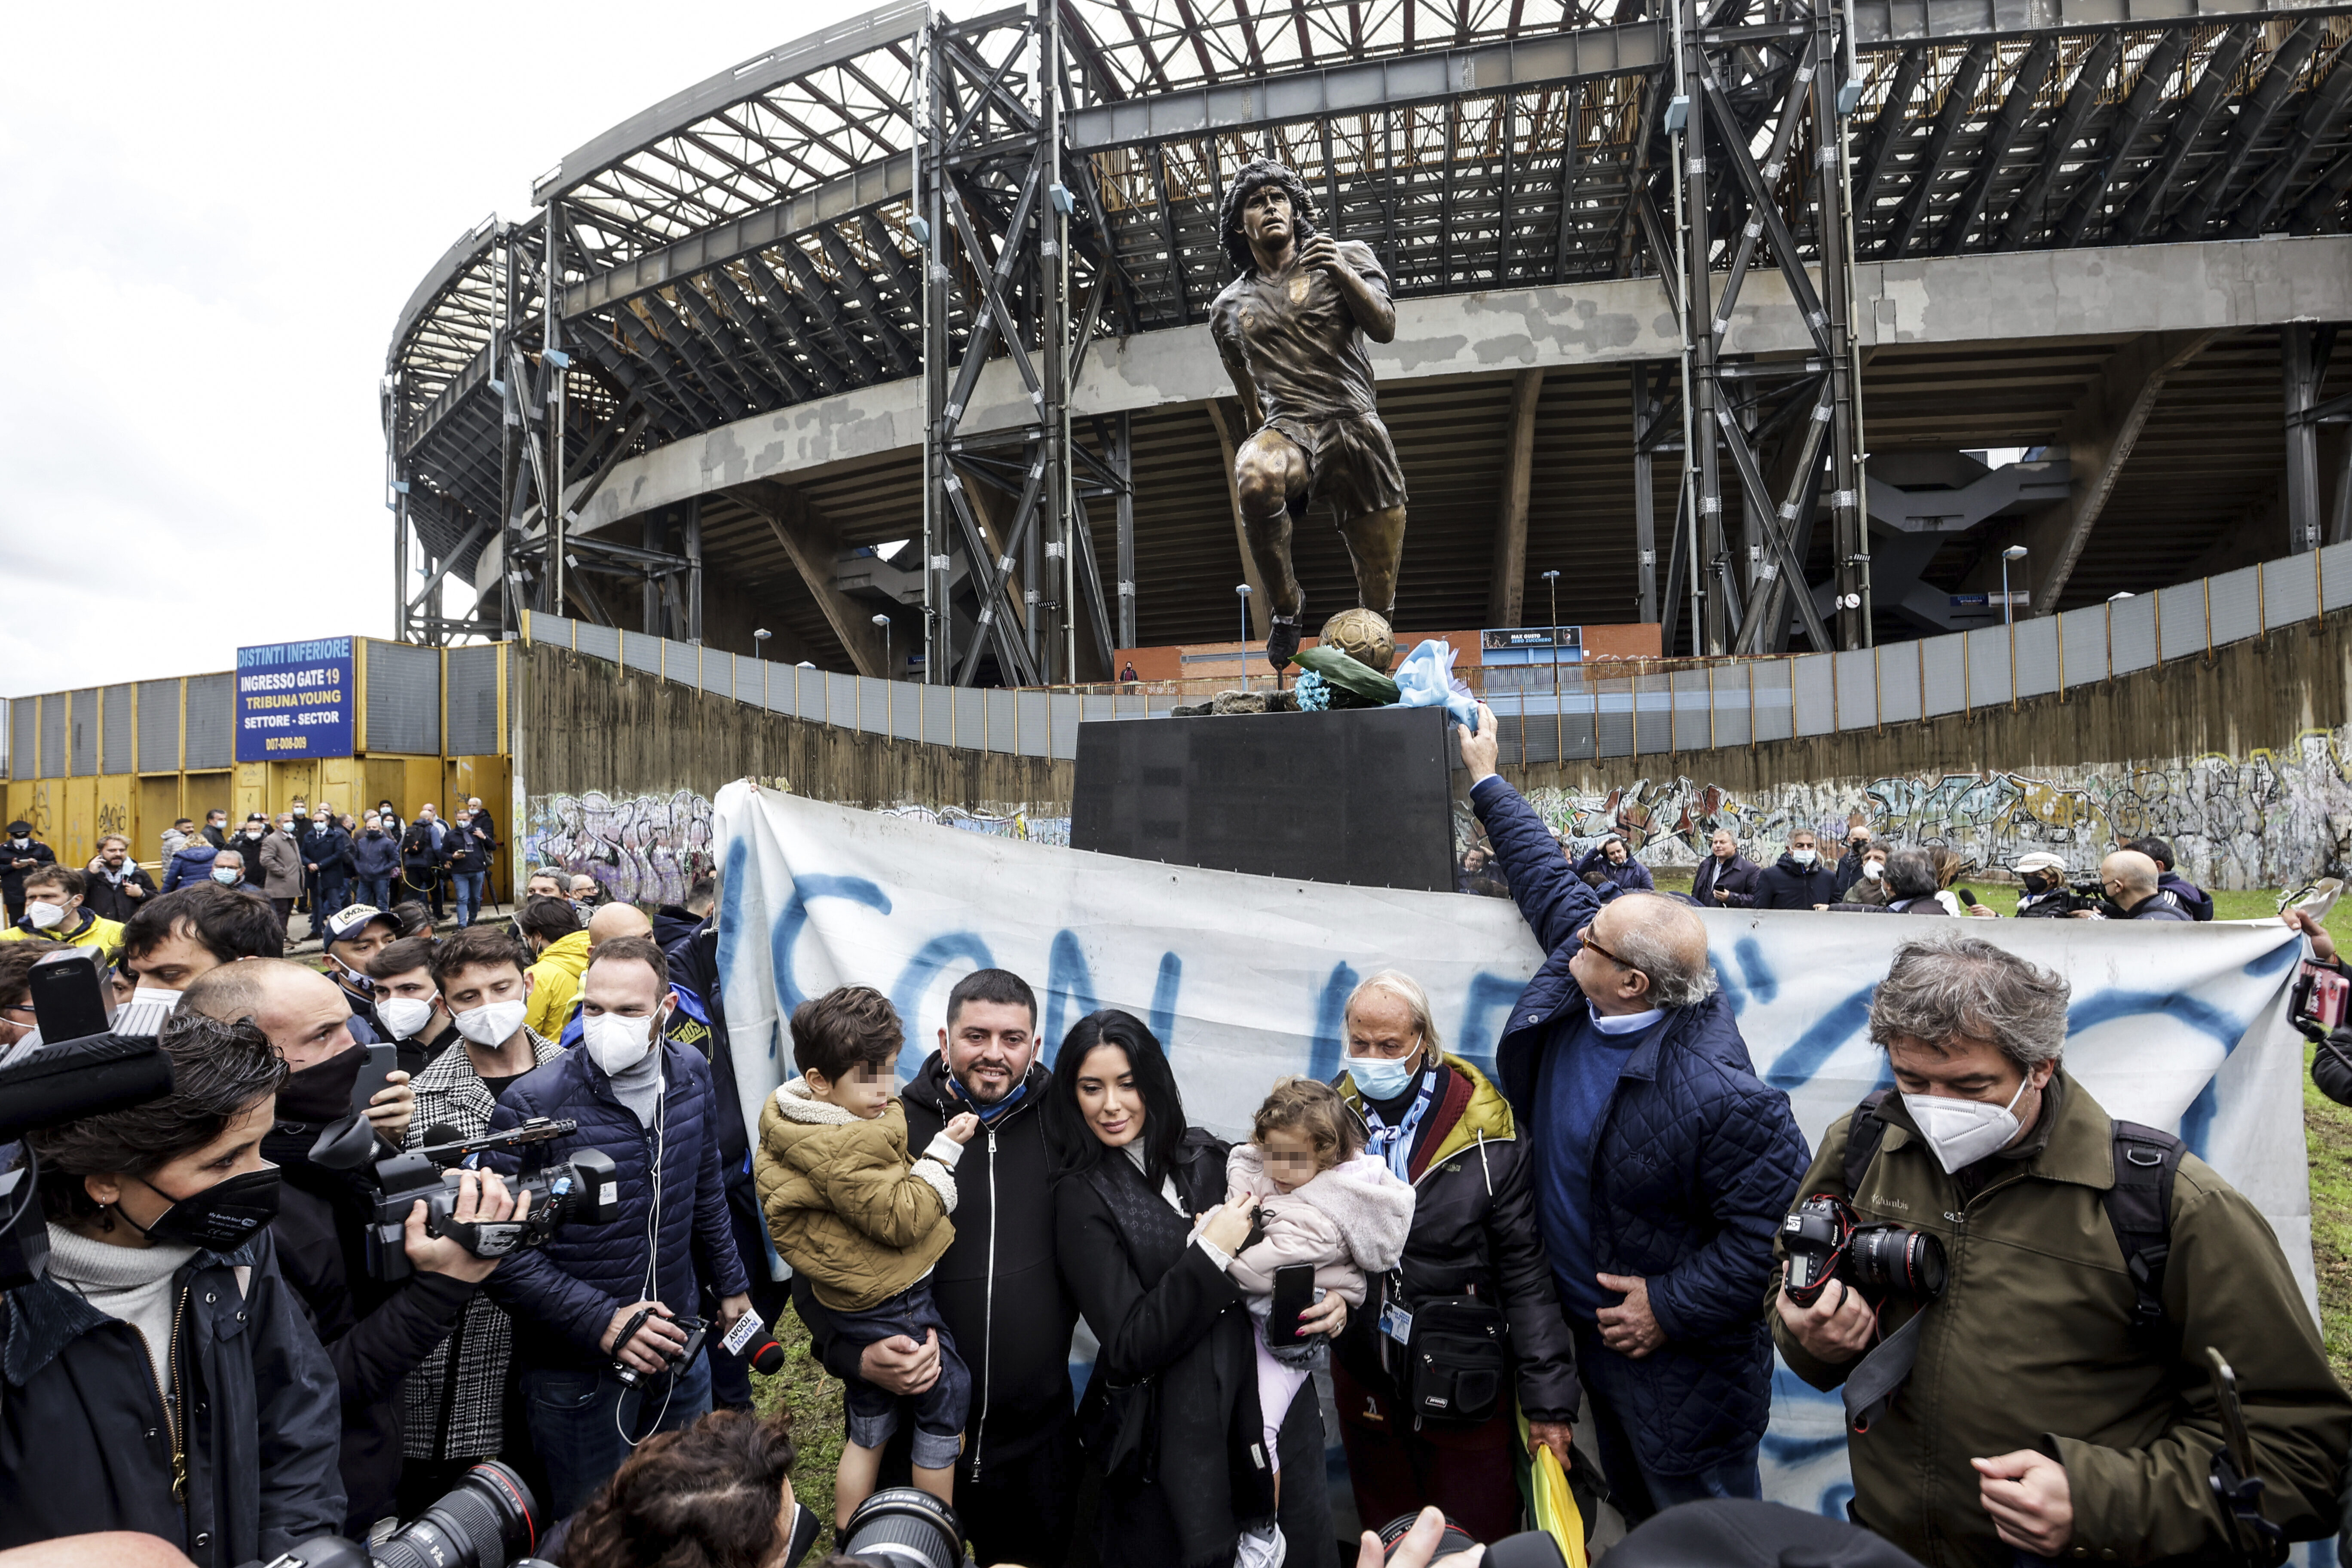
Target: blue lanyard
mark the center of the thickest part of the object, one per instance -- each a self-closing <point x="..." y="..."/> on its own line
<point x="1395" y="1144"/>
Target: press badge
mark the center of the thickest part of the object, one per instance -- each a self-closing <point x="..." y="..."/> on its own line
<point x="1396" y="1322"/>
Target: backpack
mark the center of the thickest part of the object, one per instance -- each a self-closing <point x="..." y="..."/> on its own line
<point x="2139" y="1206"/>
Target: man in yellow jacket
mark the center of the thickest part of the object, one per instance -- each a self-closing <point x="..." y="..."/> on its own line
<point x="2054" y="1398"/>
<point x="53" y="912"/>
<point x="553" y="932"/>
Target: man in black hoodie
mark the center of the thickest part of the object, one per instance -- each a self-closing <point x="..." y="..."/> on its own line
<point x="373" y="1333"/>
<point x="997" y="1285"/>
<point x="1798" y="879"/>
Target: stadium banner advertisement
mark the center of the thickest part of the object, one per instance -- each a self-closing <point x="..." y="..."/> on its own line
<point x="1245" y="977"/>
<point x="295" y="700"/>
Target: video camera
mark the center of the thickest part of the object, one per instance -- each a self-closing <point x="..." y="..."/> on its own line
<point x="2087" y="892"/>
<point x="487" y="1520"/>
<point x="583" y="1188"/>
<point x="1826" y="1240"/>
<point x="73" y="1064"/>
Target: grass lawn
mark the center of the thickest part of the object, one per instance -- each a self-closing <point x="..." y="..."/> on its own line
<point x="814" y="1396"/>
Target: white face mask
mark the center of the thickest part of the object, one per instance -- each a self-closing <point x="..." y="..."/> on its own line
<point x="618" y="1044"/>
<point x="1802" y="857"/>
<point x="1873" y="870"/>
<point x="1962" y="1132"/>
<point x="44" y="916"/>
<point x="405" y="1016"/>
<point x="491" y="1024"/>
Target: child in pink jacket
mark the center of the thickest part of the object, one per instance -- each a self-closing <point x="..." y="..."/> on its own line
<point x="1322" y="1202"/>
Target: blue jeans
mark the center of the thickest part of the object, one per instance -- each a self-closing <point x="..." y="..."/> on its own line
<point x="577" y="1420"/>
<point x="940" y="1410"/>
<point x="329" y="899"/>
<point x="373" y="891"/>
<point x="1642" y="1492"/>
<point x="468" y="885"/>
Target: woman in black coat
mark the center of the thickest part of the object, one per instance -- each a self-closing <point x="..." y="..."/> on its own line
<point x="1170" y="1416"/>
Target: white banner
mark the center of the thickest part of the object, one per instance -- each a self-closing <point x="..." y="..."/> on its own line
<point x="1243" y="978"/>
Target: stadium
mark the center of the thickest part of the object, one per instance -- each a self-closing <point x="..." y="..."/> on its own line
<point x="2082" y="259"/>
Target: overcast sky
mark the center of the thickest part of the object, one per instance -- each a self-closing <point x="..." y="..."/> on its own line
<point x="209" y="217"/>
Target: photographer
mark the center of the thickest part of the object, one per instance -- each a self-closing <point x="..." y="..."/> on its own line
<point x="374" y="1332"/>
<point x="2056" y="1400"/>
<point x="718" y="1493"/>
<point x="2043" y="893"/>
<point x="647" y="1104"/>
<point x="2129" y="878"/>
<point x="161" y="1378"/>
<point x="458" y="1397"/>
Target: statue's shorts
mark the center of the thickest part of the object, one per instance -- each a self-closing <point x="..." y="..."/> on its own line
<point x="1351" y="462"/>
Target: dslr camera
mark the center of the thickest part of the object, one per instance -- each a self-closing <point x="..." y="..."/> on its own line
<point x="1826" y="1240"/>
<point x="489" y="1519"/>
<point x="583" y="1188"/>
<point x="76" y="1063"/>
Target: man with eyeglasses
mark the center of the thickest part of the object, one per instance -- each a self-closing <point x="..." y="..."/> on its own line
<point x="1663" y="1164"/>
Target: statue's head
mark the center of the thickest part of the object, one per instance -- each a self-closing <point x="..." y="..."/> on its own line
<point x="1264" y="175"/>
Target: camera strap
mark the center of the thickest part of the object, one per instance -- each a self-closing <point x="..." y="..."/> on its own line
<point x="1871" y="1386"/>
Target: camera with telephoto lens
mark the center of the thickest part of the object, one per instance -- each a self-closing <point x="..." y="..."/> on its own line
<point x="1826" y="1240"/>
<point x="75" y="1063"/>
<point x="1528" y="1549"/>
<point x="489" y="1519"/>
<point x="583" y="1189"/>
<point x="2087" y="892"/>
<point x="904" y="1527"/>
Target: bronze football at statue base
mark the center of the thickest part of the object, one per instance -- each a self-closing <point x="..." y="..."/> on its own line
<point x="1293" y="329"/>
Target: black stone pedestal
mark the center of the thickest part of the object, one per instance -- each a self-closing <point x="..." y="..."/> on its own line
<point x="1363" y="796"/>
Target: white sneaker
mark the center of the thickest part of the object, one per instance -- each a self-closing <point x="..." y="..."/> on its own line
<point x="1261" y="1548"/>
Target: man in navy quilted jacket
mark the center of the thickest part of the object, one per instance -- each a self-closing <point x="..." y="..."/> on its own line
<point x="1664" y="1164"/>
<point x="597" y="1298"/>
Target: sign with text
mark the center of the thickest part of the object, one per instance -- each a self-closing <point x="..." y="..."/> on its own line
<point x="295" y="700"/>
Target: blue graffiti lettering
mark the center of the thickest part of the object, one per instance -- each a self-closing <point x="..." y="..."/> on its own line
<point x="1070" y="985"/>
<point x="1795" y="1067"/>
<point x="915" y="980"/>
<point x="1475" y="1041"/>
<point x="1330" y="1025"/>
<point x="787" y="933"/>
<point x="1163" y="1001"/>
<point x="1756" y="969"/>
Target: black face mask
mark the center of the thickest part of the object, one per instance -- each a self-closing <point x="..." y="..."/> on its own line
<point x="2035" y="886"/>
<point x="217" y="1219"/>
<point x="322" y="1091"/>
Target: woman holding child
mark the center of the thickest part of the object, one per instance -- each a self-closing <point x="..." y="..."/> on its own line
<point x="1151" y="1233"/>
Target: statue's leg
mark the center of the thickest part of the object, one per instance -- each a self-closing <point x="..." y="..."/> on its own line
<point x="1376" y="548"/>
<point x="1268" y="472"/>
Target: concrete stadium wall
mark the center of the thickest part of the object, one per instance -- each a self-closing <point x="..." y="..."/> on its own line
<point x="2242" y="759"/>
<point x="617" y="768"/>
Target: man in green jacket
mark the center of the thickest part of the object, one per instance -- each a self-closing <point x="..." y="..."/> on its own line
<point x="2036" y="1418"/>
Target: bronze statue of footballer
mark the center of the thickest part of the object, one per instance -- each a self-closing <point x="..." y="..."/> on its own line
<point x="1292" y="329"/>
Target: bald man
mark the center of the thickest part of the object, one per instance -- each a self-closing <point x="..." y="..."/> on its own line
<point x="1664" y="1165"/>
<point x="374" y="1332"/>
<point x="2130" y="880"/>
<point x="617" y="919"/>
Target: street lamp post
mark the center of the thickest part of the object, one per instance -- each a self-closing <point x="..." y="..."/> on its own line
<point x="884" y="622"/>
<point x="2008" y="611"/>
<point x="1551" y="581"/>
<point x="1241" y="591"/>
<point x="760" y="646"/>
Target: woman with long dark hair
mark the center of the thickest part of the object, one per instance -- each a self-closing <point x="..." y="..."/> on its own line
<point x="1145" y="1239"/>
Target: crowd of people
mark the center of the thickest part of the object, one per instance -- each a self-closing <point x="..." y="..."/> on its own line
<point x="1584" y="1253"/>
<point x="2136" y="881"/>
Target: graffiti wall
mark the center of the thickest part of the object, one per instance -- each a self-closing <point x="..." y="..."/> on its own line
<point x="2268" y="819"/>
<point x="641" y="850"/>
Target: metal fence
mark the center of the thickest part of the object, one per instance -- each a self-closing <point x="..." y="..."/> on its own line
<point x="1596" y="710"/>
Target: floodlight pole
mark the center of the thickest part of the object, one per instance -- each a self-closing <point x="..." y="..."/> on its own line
<point x="1551" y="581"/>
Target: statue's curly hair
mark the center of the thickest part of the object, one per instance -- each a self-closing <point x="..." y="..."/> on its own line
<point x="1253" y="176"/>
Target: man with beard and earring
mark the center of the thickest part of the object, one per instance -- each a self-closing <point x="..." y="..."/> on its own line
<point x="161" y="1378"/>
<point x="461" y="1405"/>
<point x="374" y="1332"/>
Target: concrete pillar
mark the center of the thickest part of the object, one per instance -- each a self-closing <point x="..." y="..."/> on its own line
<point x="2299" y="369"/>
<point x="812" y="542"/>
<point x="1508" y="580"/>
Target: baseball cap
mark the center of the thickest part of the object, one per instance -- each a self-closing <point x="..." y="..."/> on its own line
<point x="350" y="921"/>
